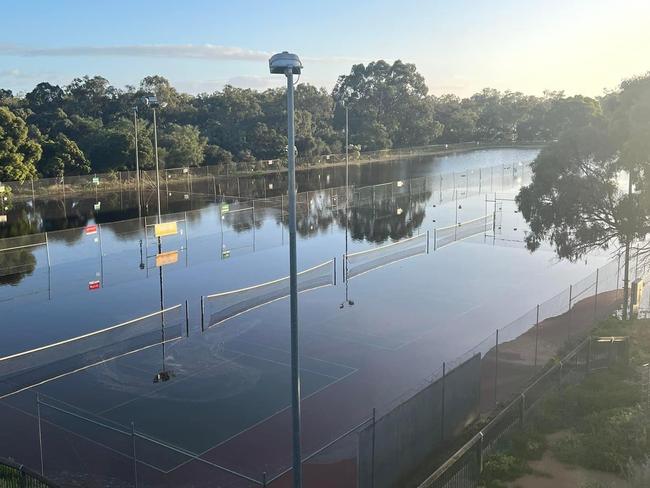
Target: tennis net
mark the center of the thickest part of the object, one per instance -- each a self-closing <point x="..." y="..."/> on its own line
<point x="361" y="262"/>
<point x="220" y="307"/>
<point x="24" y="370"/>
<point x="462" y="230"/>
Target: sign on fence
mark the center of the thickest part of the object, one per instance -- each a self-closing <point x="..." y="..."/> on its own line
<point x="91" y="229"/>
<point x="96" y="180"/>
<point x="94" y="285"/>
<point x="165" y="229"/>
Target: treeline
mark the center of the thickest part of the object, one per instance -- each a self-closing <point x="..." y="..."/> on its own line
<point x="87" y="126"/>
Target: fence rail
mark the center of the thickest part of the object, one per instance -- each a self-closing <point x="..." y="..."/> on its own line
<point x="14" y="475"/>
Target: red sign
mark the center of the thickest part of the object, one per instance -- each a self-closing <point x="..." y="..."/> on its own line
<point x="94" y="285"/>
<point x="91" y="229"/>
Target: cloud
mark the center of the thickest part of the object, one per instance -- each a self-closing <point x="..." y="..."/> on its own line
<point x="179" y="51"/>
<point x="188" y="51"/>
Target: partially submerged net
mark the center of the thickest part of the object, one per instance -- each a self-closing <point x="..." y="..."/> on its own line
<point x="361" y="262"/>
<point x="463" y="230"/>
<point x="27" y="369"/>
<point x="220" y="307"/>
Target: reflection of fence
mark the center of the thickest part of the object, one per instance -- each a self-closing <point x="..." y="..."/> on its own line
<point x="27" y="369"/>
<point x="219" y="307"/>
<point x="463" y="469"/>
<point x="14" y="475"/>
<point x="70" y="258"/>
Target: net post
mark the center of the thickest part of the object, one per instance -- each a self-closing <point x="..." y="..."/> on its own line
<point x="334" y="263"/>
<point x="428" y="236"/>
<point x="568" y="327"/>
<point x="47" y="250"/>
<point x="344" y="262"/>
<point x="588" y="354"/>
<point x="135" y="459"/>
<point x="202" y="313"/>
<point x="186" y="236"/>
<point x="435" y="239"/>
<point x="187" y="319"/>
<point x="264" y="479"/>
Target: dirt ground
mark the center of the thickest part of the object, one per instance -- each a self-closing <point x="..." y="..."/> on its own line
<point x="548" y="472"/>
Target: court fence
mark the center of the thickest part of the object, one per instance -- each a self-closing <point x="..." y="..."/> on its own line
<point x="512" y="368"/>
<point x="14" y="475"/>
<point x="99" y="250"/>
<point x="189" y="175"/>
<point x="463" y="469"/>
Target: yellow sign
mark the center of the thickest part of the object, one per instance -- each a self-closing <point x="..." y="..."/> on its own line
<point x="165" y="258"/>
<point x="166" y="229"/>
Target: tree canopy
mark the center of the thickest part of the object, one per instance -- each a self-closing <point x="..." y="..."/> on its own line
<point x="91" y="121"/>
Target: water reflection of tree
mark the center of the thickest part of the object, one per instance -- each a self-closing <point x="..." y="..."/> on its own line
<point x="16" y="264"/>
<point x="391" y="218"/>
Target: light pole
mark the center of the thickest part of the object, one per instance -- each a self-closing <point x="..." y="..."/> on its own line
<point x="137" y="161"/>
<point x="347" y="205"/>
<point x="289" y="64"/>
<point x="152" y="101"/>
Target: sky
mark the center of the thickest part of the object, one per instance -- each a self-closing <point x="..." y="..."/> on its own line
<point x="459" y="46"/>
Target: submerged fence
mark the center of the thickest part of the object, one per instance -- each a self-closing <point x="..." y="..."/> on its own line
<point x="207" y="176"/>
<point x="14" y="475"/>
<point x="512" y="367"/>
<point x="70" y="259"/>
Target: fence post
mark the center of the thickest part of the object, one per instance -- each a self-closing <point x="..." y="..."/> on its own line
<point x="496" y="368"/>
<point x="135" y="459"/>
<point x="40" y="432"/>
<point x="264" y="479"/>
<point x="442" y="403"/>
<point x="372" y="459"/>
<point x="596" y="298"/>
<point x="480" y="452"/>
<point x="568" y="327"/>
<point x="536" y="334"/>
<point x="588" y="354"/>
<point x="187" y="319"/>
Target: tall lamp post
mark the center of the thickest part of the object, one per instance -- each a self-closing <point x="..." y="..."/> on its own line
<point x="289" y="64"/>
<point x="137" y="161"/>
<point x="152" y="101"/>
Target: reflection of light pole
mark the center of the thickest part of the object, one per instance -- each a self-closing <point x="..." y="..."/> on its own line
<point x="288" y="65"/>
<point x="137" y="160"/>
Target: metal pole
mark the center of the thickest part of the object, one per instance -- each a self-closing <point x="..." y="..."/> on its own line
<point x="293" y="288"/>
<point x="347" y="197"/>
<point x="596" y="298"/>
<point x="137" y="162"/>
<point x="155" y="142"/>
<point x="442" y="402"/>
<point x="626" y="273"/>
<point x="40" y="432"/>
<point x="536" y="334"/>
<point x="496" y="368"/>
<point x="568" y="327"/>
<point x="372" y="460"/>
<point x="135" y="459"/>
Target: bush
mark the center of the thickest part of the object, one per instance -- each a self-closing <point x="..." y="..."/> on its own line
<point x="638" y="473"/>
<point x="502" y="467"/>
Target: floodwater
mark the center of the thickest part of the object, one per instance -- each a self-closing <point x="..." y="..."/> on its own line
<point x="402" y="319"/>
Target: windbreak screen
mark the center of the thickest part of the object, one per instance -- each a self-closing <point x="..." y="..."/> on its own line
<point x="219" y="307"/>
<point x="26" y="369"/>
<point x="361" y="262"/>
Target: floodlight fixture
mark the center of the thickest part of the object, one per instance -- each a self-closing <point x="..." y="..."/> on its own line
<point x="285" y="62"/>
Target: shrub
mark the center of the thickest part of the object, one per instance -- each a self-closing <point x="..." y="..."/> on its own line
<point x="502" y="467"/>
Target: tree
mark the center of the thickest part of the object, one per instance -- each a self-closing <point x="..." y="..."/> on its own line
<point x="62" y="156"/>
<point x="388" y="105"/>
<point x="18" y="153"/>
<point x="575" y="200"/>
<point x="183" y="145"/>
<point x="45" y="97"/>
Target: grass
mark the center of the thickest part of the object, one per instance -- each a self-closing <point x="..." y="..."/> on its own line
<point x="605" y="420"/>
